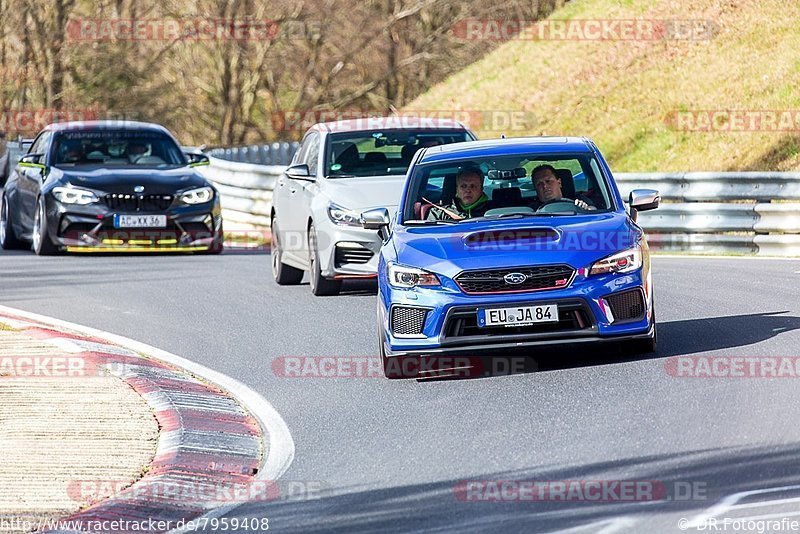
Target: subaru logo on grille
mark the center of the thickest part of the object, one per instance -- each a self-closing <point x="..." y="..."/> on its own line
<point x="138" y="189"/>
<point x="515" y="278"/>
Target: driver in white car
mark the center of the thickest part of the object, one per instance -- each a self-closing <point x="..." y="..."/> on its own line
<point x="548" y="188"/>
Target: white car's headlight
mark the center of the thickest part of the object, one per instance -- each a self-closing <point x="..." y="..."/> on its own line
<point x="200" y="195"/>
<point x="406" y="277"/>
<point x="343" y="216"/>
<point x="74" y="195"/>
<point x="622" y="262"/>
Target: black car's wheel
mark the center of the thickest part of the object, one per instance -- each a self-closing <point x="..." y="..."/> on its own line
<point x="8" y="237"/>
<point x="320" y="286"/>
<point x="217" y="245"/>
<point x="42" y="245"/>
<point x="284" y="275"/>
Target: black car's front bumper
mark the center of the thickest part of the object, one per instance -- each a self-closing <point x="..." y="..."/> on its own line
<point x="90" y="228"/>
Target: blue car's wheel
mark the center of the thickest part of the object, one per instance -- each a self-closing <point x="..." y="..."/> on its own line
<point x="645" y="346"/>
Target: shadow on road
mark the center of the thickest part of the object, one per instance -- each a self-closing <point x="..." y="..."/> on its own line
<point x="676" y="338"/>
<point x="688" y="484"/>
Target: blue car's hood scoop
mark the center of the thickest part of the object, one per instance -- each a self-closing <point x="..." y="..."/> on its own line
<point x="576" y="240"/>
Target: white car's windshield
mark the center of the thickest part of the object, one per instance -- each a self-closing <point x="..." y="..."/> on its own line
<point x="383" y="153"/>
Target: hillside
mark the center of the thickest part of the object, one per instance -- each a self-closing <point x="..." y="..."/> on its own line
<point x="641" y="100"/>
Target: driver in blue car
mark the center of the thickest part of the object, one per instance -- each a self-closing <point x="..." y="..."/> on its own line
<point x="548" y="189"/>
<point x="470" y="200"/>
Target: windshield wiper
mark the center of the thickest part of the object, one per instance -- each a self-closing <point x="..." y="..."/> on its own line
<point x="514" y="215"/>
<point x="341" y="176"/>
<point x="427" y="222"/>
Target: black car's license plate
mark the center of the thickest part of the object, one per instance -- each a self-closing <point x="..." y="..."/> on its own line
<point x="140" y="221"/>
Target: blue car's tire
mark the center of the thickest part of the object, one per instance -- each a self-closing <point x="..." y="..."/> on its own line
<point x="645" y="346"/>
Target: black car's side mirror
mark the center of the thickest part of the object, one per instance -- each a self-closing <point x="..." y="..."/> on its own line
<point x="32" y="160"/>
<point x="196" y="159"/>
<point x="300" y="171"/>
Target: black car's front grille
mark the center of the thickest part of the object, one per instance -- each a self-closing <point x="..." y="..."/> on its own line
<point x="574" y="318"/>
<point x="627" y="305"/>
<point x="408" y="321"/>
<point x="497" y="280"/>
<point x="352" y="254"/>
<point x="133" y="202"/>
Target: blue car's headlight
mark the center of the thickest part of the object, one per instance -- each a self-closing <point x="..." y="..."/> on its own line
<point x="622" y="262"/>
<point x="343" y="216"/>
<point x="404" y="277"/>
<point x="74" y="195"/>
<point x="200" y="195"/>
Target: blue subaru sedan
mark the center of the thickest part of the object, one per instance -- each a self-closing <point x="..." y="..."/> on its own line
<point x="510" y="244"/>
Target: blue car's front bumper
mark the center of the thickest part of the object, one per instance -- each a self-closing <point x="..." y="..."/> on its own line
<point x="450" y="324"/>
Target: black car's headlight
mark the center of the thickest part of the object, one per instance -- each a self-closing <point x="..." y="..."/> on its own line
<point x="343" y="216"/>
<point x="74" y="195"/>
<point x="404" y="277"/>
<point x="201" y="195"/>
<point x="622" y="262"/>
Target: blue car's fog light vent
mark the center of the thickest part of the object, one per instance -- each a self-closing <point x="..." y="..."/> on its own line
<point x="408" y="321"/>
<point x="626" y="306"/>
<point x="516" y="279"/>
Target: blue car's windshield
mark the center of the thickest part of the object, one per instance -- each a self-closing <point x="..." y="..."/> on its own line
<point x="116" y="148"/>
<point x="513" y="186"/>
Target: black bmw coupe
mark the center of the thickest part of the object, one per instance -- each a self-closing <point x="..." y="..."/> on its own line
<point x="109" y="186"/>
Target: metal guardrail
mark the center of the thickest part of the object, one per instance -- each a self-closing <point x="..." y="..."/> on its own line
<point x="246" y="190"/>
<point x="702" y="212"/>
<point x="721" y="212"/>
<point x="271" y="154"/>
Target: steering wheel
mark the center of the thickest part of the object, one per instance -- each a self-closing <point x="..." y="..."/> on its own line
<point x="556" y="205"/>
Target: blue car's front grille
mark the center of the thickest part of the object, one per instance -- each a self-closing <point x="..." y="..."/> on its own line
<point x="516" y="279"/>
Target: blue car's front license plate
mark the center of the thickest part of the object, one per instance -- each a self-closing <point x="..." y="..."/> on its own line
<point x="517" y="315"/>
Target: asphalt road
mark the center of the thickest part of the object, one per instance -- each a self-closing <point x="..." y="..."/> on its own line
<point x="390" y="453"/>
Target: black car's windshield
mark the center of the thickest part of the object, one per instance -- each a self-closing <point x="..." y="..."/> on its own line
<point x="116" y="148"/>
<point x="382" y="152"/>
<point x="509" y="186"/>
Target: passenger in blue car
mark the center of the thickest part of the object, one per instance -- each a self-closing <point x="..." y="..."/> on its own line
<point x="548" y="189"/>
<point x="470" y="200"/>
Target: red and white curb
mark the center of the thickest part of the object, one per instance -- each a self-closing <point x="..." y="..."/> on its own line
<point x="215" y="432"/>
